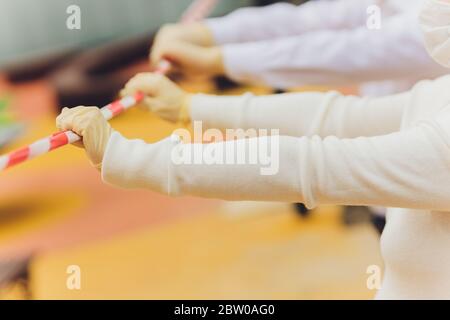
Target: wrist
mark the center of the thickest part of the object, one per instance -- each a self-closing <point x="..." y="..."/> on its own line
<point x="205" y="34"/>
<point x="185" y="110"/>
<point x="105" y="138"/>
<point x="217" y="61"/>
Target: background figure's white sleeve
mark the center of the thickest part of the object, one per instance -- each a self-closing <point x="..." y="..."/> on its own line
<point x="283" y="19"/>
<point x="302" y="114"/>
<point x="409" y="169"/>
<point x="340" y="57"/>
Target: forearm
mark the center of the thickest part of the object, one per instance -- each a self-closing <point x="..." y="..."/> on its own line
<point x="174" y="168"/>
<point x="350" y="56"/>
<point x="407" y="169"/>
<point x="302" y="114"/>
<point x="281" y="20"/>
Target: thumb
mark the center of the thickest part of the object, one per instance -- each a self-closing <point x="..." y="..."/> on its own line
<point x="181" y="53"/>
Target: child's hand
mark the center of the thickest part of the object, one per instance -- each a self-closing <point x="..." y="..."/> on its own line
<point x="194" y="33"/>
<point x="88" y="123"/>
<point x="190" y="48"/>
<point x="162" y="96"/>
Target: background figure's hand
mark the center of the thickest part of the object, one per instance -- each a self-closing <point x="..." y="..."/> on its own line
<point x="190" y="48"/>
<point x="88" y="123"/>
<point x="194" y="33"/>
<point x="162" y="96"/>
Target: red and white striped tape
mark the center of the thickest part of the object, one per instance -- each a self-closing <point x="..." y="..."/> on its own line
<point x="61" y="139"/>
<point x="197" y="11"/>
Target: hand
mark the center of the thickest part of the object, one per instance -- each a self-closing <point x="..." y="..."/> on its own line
<point x="88" y="123"/>
<point x="193" y="33"/>
<point x="190" y="48"/>
<point x="162" y="96"/>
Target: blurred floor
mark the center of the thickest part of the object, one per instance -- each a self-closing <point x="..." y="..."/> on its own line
<point x="138" y="244"/>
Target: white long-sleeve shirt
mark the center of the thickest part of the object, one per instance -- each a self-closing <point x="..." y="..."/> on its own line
<point x="326" y="42"/>
<point x="392" y="151"/>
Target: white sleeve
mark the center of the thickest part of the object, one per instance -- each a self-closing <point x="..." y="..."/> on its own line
<point x="407" y="169"/>
<point x="283" y="19"/>
<point x="338" y="57"/>
<point x="302" y="114"/>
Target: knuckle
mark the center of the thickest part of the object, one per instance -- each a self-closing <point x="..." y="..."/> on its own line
<point x="94" y="112"/>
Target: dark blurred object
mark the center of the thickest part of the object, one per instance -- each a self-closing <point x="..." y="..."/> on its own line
<point x="379" y="222"/>
<point x="94" y="76"/>
<point x="301" y="209"/>
<point x="356" y="215"/>
<point x="268" y="2"/>
<point x="224" y="83"/>
<point x="16" y="271"/>
<point x="37" y="67"/>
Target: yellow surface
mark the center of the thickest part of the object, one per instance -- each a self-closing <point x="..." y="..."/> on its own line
<point x="23" y="214"/>
<point x="269" y="256"/>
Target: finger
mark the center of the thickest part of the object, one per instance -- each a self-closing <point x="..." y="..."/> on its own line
<point x="59" y="118"/>
<point x="127" y="92"/>
<point x="67" y="113"/>
<point x="78" y="124"/>
<point x="146" y="83"/>
<point x="129" y="88"/>
<point x="172" y="51"/>
<point x="64" y="121"/>
<point x="84" y="120"/>
<point x="68" y="120"/>
<point x="169" y="51"/>
<point x="62" y="115"/>
<point x="155" y="53"/>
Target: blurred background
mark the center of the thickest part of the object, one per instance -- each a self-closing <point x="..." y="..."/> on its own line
<point x="30" y="29"/>
<point x="56" y="213"/>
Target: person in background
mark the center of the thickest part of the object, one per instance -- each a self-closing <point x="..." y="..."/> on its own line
<point x="318" y="43"/>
